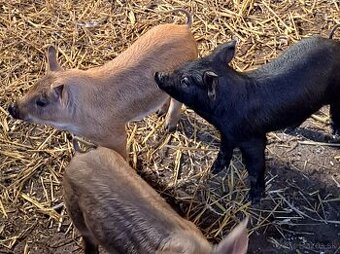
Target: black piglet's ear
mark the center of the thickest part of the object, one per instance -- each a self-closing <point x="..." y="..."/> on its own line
<point x="210" y="79"/>
<point x="224" y="53"/>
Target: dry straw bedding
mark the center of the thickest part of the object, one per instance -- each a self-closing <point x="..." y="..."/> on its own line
<point x="90" y="33"/>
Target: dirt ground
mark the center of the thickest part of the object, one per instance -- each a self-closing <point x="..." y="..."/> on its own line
<point x="301" y="210"/>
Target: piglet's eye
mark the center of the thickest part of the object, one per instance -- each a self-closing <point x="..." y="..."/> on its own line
<point x="185" y="81"/>
<point x="41" y="102"/>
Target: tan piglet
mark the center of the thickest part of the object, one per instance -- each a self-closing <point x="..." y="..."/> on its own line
<point x="98" y="102"/>
<point x="113" y="207"/>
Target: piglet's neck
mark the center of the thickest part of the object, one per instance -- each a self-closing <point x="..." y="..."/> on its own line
<point x="242" y="84"/>
<point x="232" y="82"/>
<point x="88" y="83"/>
<point x="83" y="88"/>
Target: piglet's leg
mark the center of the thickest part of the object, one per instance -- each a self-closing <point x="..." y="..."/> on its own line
<point x="173" y="115"/>
<point x="115" y="141"/>
<point x="335" y="116"/>
<point x="253" y="154"/>
<point x="164" y="109"/>
<point x="89" y="246"/>
<point x="224" y="156"/>
<point x="76" y="214"/>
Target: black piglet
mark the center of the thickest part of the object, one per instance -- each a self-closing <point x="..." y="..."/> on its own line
<point x="244" y="106"/>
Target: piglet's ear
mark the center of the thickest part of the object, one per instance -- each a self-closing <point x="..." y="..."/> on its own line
<point x="210" y="79"/>
<point x="236" y="242"/>
<point x="57" y="91"/>
<point x="64" y="93"/>
<point x="52" y="63"/>
<point x="224" y="53"/>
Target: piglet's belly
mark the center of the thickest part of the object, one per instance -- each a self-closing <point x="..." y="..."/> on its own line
<point x="148" y="111"/>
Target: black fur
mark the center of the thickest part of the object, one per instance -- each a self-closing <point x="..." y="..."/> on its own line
<point x="245" y="106"/>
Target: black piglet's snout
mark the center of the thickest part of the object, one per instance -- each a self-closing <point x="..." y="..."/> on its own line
<point x="158" y="77"/>
<point x="13" y="111"/>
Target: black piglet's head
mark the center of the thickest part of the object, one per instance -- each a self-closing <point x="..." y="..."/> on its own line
<point x="197" y="81"/>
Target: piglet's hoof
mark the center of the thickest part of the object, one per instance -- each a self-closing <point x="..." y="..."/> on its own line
<point x="255" y="195"/>
<point x="170" y="128"/>
<point x="161" y="112"/>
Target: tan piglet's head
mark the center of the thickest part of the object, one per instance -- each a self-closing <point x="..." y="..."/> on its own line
<point x="47" y="102"/>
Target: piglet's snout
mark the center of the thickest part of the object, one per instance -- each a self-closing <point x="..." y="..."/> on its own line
<point x="161" y="78"/>
<point x="158" y="77"/>
<point x="13" y="111"/>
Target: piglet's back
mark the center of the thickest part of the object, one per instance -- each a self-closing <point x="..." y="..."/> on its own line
<point x="128" y="78"/>
<point x="165" y="46"/>
<point x="122" y="211"/>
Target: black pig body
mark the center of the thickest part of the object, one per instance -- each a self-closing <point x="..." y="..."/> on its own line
<point x="245" y="106"/>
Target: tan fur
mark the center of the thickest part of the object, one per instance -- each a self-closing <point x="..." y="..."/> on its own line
<point x="112" y="206"/>
<point x="98" y="102"/>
